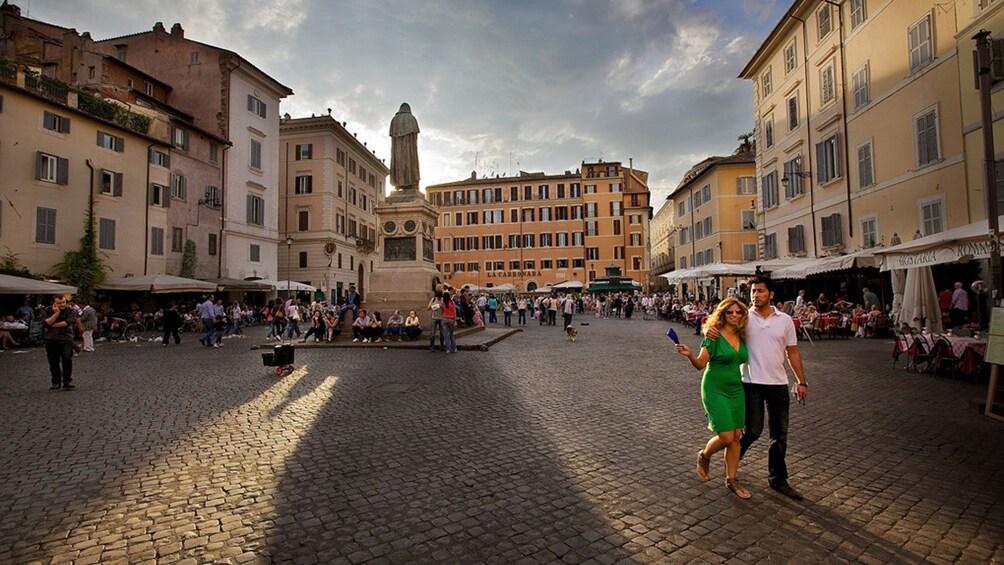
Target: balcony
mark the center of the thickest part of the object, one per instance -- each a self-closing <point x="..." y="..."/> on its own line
<point x="48" y="87"/>
<point x="365" y="246"/>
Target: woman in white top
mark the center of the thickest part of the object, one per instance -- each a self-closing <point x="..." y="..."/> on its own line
<point x="360" y="325"/>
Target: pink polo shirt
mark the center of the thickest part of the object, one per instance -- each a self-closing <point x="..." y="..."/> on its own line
<point x="766" y="340"/>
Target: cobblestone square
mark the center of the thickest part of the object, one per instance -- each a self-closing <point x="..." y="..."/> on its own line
<point x="539" y="450"/>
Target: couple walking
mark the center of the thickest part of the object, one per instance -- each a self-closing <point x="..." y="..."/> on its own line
<point x="744" y="373"/>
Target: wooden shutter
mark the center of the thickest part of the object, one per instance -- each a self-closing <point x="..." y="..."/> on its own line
<point x="117" y="187"/>
<point x="64" y="125"/>
<point x="119" y="144"/>
<point x="62" y="171"/>
<point x="820" y="162"/>
<point x="250" y="103"/>
<point x="250" y="200"/>
<point x="39" y="165"/>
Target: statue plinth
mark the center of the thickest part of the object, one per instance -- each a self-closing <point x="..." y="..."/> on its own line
<point x="404" y="276"/>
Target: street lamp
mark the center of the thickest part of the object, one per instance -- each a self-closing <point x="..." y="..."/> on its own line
<point x="289" y="256"/>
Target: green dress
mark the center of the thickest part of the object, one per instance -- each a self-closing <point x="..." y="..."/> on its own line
<point x="722" y="385"/>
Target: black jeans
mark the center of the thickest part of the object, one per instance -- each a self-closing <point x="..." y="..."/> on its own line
<point x="60" y="352"/>
<point x="778" y="403"/>
<point x="169" y="333"/>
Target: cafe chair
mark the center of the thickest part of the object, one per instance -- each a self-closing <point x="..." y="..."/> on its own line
<point x="900" y="347"/>
<point x="918" y="353"/>
<point x="944" y="358"/>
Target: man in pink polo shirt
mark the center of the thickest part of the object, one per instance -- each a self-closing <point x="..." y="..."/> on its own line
<point x="770" y="339"/>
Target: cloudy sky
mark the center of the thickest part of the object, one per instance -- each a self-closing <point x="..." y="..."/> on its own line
<point x="496" y="85"/>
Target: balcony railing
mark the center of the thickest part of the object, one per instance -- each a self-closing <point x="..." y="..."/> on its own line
<point x="365" y="246"/>
<point x="47" y="87"/>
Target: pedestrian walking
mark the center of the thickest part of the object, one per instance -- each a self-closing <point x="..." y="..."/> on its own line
<point x="207" y="313"/>
<point x="89" y="321"/>
<point x="59" y="323"/>
<point x="172" y="323"/>
<point x="521" y="309"/>
<point x="436" y="325"/>
<point x="449" y="324"/>
<point x="567" y="310"/>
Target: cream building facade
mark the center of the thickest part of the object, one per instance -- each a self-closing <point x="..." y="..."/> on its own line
<point x="661" y="247"/>
<point x="329" y="186"/>
<point x="858" y="126"/>
<point x="715" y="209"/>
<point x="534" y="229"/>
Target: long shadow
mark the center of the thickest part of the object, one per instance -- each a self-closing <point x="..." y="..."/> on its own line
<point x="83" y="464"/>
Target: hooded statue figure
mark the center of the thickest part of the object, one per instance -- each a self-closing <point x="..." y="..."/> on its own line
<point x="404" y="149"/>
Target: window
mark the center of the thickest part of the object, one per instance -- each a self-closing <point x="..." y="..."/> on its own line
<point x="859" y="13"/>
<point x="177" y="240"/>
<point x="148" y="89"/>
<point x="790" y="57"/>
<point x="749" y="219"/>
<point x="254" y="254"/>
<point x="111" y="183"/>
<point x="530" y="265"/>
<point x="770" y="246"/>
<point x="636" y="238"/>
<point x="616" y="208"/>
<point x="699" y="230"/>
<point x="824" y="21"/>
<point x="926" y="128"/>
<point x="768" y="184"/>
<point x="635" y="219"/>
<point x="339" y="156"/>
<point x="303" y="260"/>
<point x="159" y="196"/>
<point x="545" y="214"/>
<point x="576" y="190"/>
<point x="179" y="187"/>
<point x="932" y="213"/>
<point x="618" y="252"/>
<point x="561" y="212"/>
<point x="590" y="189"/>
<point x="212" y="197"/>
<point x="683" y="235"/>
<point x="859" y="81"/>
<point x="749" y="252"/>
<point x="340" y="224"/>
<point x="303" y="220"/>
<point x="615" y="187"/>
<point x="212" y="244"/>
<point x="214" y="153"/>
<point x="792" y="180"/>
<point x="578" y="239"/>
<point x="160" y="159"/>
<point x="869" y="232"/>
<point x="765" y="82"/>
<point x="827" y="159"/>
<point x="256" y="154"/>
<point x="304" y="184"/>
<point x="106" y="233"/>
<point x="579" y="263"/>
<point x="617" y="227"/>
<point x="256" y="106"/>
<point x="472" y="218"/>
<point x="546" y="240"/>
<point x="193" y="58"/>
<point x="707" y="226"/>
<point x="590" y="209"/>
<point x="563" y="237"/>
<point x="866" y="170"/>
<point x="796" y="239"/>
<point x="179" y="138"/>
<point x="45" y="225"/>
<point x="109" y="141"/>
<point x="832" y="230"/>
<point x="543" y="192"/>
<point x="827" y="91"/>
<point x="746" y="185"/>
<point x="768" y="131"/>
<point x="339" y="189"/>
<point x="255" y="210"/>
<point x="592" y="253"/>
<point x="156" y="241"/>
<point x="55" y="122"/>
<point x="562" y="263"/>
<point x="529" y="240"/>
<point x="591" y="228"/>
<point x="304" y="151"/>
<point x="706" y="193"/>
<point x="682" y="209"/>
<point x="793" y="112"/>
<point x="472" y="196"/>
<point x="120" y="52"/>
<point x="919" y="43"/>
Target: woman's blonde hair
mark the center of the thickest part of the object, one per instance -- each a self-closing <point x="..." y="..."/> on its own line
<point x="717" y="318"/>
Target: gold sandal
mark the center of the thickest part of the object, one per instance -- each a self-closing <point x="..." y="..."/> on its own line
<point x="703" y="464"/>
<point x="737" y="488"/>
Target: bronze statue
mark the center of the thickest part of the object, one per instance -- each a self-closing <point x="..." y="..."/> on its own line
<point x="404" y="150"/>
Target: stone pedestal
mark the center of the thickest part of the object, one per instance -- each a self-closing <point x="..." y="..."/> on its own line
<point x="405" y="275"/>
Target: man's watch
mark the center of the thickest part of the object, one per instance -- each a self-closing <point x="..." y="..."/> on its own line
<point x="806" y="385"/>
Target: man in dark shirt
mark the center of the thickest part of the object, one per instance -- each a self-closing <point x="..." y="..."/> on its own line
<point x="59" y="323"/>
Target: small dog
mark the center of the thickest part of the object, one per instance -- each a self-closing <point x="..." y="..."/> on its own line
<point x="571" y="333"/>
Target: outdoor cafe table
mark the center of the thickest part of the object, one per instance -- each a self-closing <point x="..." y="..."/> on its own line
<point x="969" y="349"/>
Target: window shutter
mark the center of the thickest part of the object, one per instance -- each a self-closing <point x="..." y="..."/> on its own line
<point x="100" y="134"/>
<point x="820" y="162"/>
<point x="64" y="125"/>
<point x="62" y="171"/>
<point x="167" y="160"/>
<point x="39" y="164"/>
<point x="165" y="197"/>
<point x="40" y="218"/>
<point x="117" y="189"/>
<point x="250" y="214"/>
<point x="838" y="160"/>
<point x="119" y="144"/>
<point x="250" y="103"/>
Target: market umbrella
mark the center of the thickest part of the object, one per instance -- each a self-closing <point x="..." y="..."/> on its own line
<point x="898" y="288"/>
<point x="920" y="301"/>
<point x="158" y="284"/>
<point x="9" y="284"/>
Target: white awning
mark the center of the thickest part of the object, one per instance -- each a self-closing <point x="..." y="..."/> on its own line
<point x="863" y="258"/>
<point x="569" y="285"/>
<point x="158" y="284"/>
<point x="283" y="286"/>
<point x="10" y="284"/>
<point x="963" y="243"/>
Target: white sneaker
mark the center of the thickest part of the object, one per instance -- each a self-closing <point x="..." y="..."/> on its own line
<point x="355" y="339"/>
<point x="366" y="340"/>
<point x="216" y="346"/>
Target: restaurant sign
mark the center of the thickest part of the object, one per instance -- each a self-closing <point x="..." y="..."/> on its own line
<point x="512" y="274"/>
<point x="948" y="253"/>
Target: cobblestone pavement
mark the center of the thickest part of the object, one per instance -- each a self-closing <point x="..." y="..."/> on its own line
<point x="539" y="450"/>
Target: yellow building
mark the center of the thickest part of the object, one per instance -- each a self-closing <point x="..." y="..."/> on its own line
<point x="534" y="229"/>
<point x="715" y="207"/>
<point x="329" y="183"/>
<point x="57" y="156"/>
<point x="858" y="126"/>
<point x="661" y="248"/>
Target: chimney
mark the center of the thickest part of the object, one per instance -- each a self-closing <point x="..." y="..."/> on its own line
<point x="159" y="26"/>
<point x="177" y="31"/>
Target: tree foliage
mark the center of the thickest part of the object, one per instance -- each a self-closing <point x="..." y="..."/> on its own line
<point x="10" y="264"/>
<point x="188" y="260"/>
<point x="84" y="267"/>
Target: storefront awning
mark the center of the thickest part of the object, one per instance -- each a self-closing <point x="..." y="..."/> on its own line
<point x="819" y="265"/>
<point x="963" y="243"/>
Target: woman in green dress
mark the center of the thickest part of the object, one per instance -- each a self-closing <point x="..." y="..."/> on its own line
<point x="722" y="387"/>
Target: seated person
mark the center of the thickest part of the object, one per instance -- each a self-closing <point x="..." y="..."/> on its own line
<point x="360" y="326"/>
<point x="332" y="328"/>
<point x="873" y="320"/>
<point x="8" y="326"/>
<point x="395" y="325"/>
<point x="316" y="327"/>
<point x="412" y="327"/>
<point x="375" y="331"/>
<point x="811" y="313"/>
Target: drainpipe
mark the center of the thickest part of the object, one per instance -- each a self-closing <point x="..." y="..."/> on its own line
<point x="223" y="206"/>
<point x="146" y="215"/>
<point x="843" y="102"/>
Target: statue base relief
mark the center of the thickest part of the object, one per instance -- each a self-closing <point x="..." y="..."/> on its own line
<point x="405" y="275"/>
